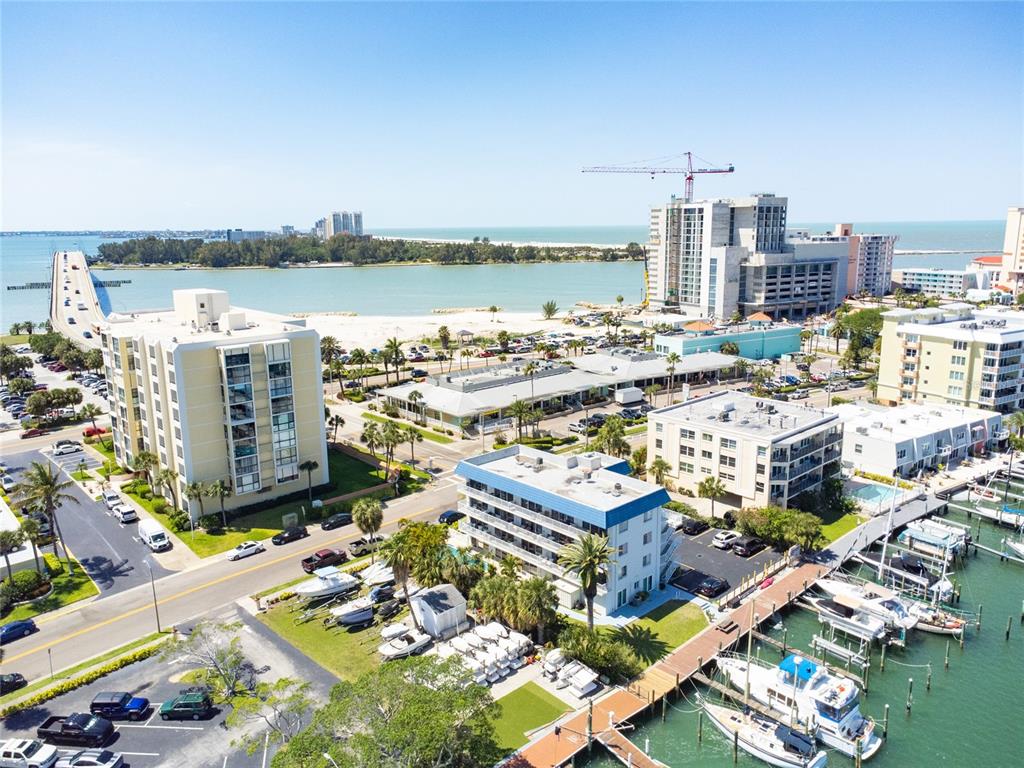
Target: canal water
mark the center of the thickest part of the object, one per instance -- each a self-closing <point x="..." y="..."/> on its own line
<point x="973" y="715"/>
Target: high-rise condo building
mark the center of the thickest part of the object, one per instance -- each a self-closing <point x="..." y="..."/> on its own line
<point x="953" y="354"/>
<point x="217" y="393"/>
<point x="1013" y="250"/>
<point x="341" y="223"/>
<point x="714" y="258"/>
<point x="357" y="223"/>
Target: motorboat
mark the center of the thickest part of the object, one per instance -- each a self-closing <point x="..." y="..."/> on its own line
<point x="492" y="631"/>
<point x="354" y="614"/>
<point x="553" y="661"/>
<point x="827" y="705"/>
<point x="524" y="642"/>
<point x="392" y="631"/>
<point x="1015" y="547"/>
<point x="476" y="669"/>
<point x="765" y="738"/>
<point x="327" y="582"/>
<point x="932" y="541"/>
<point x="846" y="615"/>
<point x="959" y="531"/>
<point x="583" y="683"/>
<point x="476" y="641"/>
<point x="931" y="618"/>
<point x="877" y="601"/>
<point x="513" y="652"/>
<point x="378" y="575"/>
<point x="566" y="674"/>
<point x="407" y="644"/>
<point x="906" y="571"/>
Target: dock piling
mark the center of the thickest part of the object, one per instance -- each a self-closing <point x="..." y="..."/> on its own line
<point x="945" y="663"/>
<point x="735" y="747"/>
<point x="885" y="723"/>
<point x="700" y="726"/>
<point x="910" y="694"/>
<point x="977" y="624"/>
<point x="1009" y="623"/>
<point x="928" y="680"/>
<point x="881" y="663"/>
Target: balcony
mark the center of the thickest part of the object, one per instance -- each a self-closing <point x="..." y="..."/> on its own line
<point x="511" y="548"/>
<point x="523" y="512"/>
<point x="804" y="484"/>
<point x="495" y="521"/>
<point x="798" y="453"/>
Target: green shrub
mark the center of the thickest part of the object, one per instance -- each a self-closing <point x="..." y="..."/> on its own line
<point x="146" y="495"/>
<point x="160" y="506"/>
<point x="210" y="523"/>
<point x="179" y="520"/>
<point x="25" y="585"/>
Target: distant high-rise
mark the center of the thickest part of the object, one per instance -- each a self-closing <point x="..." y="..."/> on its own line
<point x="357" y="223"/>
<point x="340" y="223"/>
<point x="238" y="235"/>
<point x="1013" y="250"/>
<point x="287" y="230"/>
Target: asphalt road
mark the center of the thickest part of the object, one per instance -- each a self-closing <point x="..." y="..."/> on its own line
<point x="109" y="551"/>
<point x="93" y="629"/>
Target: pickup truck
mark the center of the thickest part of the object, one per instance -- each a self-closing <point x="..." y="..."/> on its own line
<point x="119" y="704"/>
<point x="27" y="753"/>
<point x="322" y="558"/>
<point x="365" y="545"/>
<point x="76" y="729"/>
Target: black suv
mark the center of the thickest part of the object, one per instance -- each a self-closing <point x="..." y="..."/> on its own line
<point x="747" y="546"/>
<point x="692" y="527"/>
<point x="712" y="586"/>
<point x="294" y="533"/>
<point x="336" y="521"/>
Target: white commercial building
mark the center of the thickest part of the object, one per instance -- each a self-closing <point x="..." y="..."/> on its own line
<point x="869" y="257"/>
<point x="764" y="451"/>
<point x="528" y="503"/>
<point x="933" y="281"/>
<point x="714" y="258"/>
<point x="910" y="438"/>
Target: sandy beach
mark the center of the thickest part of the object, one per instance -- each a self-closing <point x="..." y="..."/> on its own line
<point x="371" y="331"/>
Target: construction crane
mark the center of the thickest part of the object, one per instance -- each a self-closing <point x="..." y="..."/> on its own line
<point x="689" y="171"/>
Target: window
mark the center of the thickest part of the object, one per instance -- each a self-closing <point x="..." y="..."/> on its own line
<point x="705" y="454"/>
<point x="621" y="599"/>
<point x="760" y="469"/>
<point x="858" y="448"/>
<point x="646" y="561"/>
<point x="727" y="461"/>
<point x="658" y="427"/>
<point x="648" y="515"/>
<point x="623" y="549"/>
<point x="705" y="470"/>
<point x="686" y="467"/>
<point x="762" y="450"/>
<point x="960" y="345"/>
<point x="727" y="443"/>
<point x="956" y="375"/>
<point x="657" y="442"/>
<point x="727" y="476"/>
<point x="687" y="434"/>
<point x="961" y="360"/>
<point x="686" y="450"/>
<point x="648" y="537"/>
<point x="623" y="570"/>
<point x="624" y="526"/>
<point x="707" y="436"/>
<point x="955" y="391"/>
<point x="901" y="453"/>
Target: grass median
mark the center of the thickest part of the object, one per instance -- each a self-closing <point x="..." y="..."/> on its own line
<point x="428" y="434"/>
<point x="68" y="588"/>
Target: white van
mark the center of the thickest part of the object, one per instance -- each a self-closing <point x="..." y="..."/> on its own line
<point x="153" y="535"/>
<point x="111" y="498"/>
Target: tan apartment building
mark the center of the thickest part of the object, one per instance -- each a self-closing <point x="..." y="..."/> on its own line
<point x="763" y="451"/>
<point x="954" y="355"/>
<point x="218" y="393"/>
<point x="1013" y="250"/>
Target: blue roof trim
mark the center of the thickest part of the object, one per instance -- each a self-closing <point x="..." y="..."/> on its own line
<point x="619" y="467"/>
<point x="627" y="511"/>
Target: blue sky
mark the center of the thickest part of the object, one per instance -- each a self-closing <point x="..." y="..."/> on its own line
<point x="255" y="115"/>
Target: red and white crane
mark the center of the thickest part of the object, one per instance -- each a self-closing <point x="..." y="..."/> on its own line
<point x="688" y="170"/>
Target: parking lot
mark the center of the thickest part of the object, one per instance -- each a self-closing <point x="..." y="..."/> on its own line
<point x="181" y="744"/>
<point x="696" y="554"/>
<point x="109" y="551"/>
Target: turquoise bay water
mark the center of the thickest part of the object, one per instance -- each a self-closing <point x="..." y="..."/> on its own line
<point x="410" y="290"/>
<point x="972" y="715"/>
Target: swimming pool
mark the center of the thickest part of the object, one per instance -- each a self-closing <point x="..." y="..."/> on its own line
<point x="874" y="494"/>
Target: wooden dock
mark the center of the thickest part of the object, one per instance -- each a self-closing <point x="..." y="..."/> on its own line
<point x="626" y="751"/>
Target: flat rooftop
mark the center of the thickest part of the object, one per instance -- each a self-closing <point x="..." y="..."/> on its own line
<point x="909" y="421"/>
<point x="592" y="486"/>
<point x="961" y="321"/>
<point x="744" y="415"/>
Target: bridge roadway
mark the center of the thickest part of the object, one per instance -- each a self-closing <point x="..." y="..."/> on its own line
<point x="74" y="305"/>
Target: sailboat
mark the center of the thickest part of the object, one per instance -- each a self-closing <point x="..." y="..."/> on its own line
<point x="765" y="738"/>
<point x="812" y="697"/>
<point x="872" y="599"/>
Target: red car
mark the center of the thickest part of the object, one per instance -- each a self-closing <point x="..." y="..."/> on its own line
<point x="34" y="432"/>
<point x="93" y="432"/>
<point x="40" y="387"/>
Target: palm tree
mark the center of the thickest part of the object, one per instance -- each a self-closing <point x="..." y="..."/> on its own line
<point x="390" y="437"/>
<point x="493" y="309"/>
<point x="144" y="462"/>
<point x="530" y="369"/>
<point x="41" y="487"/>
<point x="90" y="412"/>
<point x="168" y="479"/>
<point x="371" y="436"/>
<point x="359" y="359"/>
<point x="309" y="466"/>
<point x="15" y="329"/>
<point x="11" y="540"/>
<point x="652" y="390"/>
<point x="73" y="397"/>
<point x="837" y="330"/>
<point x="400" y="552"/>
<point x="550" y="309"/>
<point x="660" y="468"/>
<point x="28" y="326"/>
<point x="414" y="398"/>
<point x="520" y="410"/>
<point x="1016" y="422"/>
<point x="729" y="348"/>
<point x="196" y="491"/>
<point x="510" y="566"/>
<point x="611" y="437"/>
<point x="368" y="514"/>
<point x="336" y="421"/>
<point x="444" y="336"/>
<point x="33" y="535"/>
<point x="711" y="488"/>
<point x="329" y="349"/>
<point x="671" y="360"/>
<point x="393" y="353"/>
<point x="412" y="436"/>
<point x="805" y="338"/>
<point x="536" y="604"/>
<point x="220" y="490"/>
<point x="587" y="558"/>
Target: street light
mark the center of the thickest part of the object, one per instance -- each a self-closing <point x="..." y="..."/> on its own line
<point x="152" y="584"/>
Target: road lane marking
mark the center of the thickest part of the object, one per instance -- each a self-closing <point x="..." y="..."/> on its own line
<point x="164" y="727"/>
<point x="191" y="590"/>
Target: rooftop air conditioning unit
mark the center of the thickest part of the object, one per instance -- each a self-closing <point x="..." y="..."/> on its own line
<point x="617" y="489"/>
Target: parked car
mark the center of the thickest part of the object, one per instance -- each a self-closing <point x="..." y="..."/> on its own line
<point x="32" y="432"/>
<point x="800" y="394"/>
<point x="631" y="413"/>
<point x="245" y="549"/>
<point x="418" y="373"/>
<point x="125" y="513"/>
<point x="579" y="427"/>
<point x="27" y="753"/>
<point x="323" y="558"/>
<point x="8" y="483"/>
<point x="11" y="681"/>
<point x="780" y="396"/>
<point x="117" y="705"/>
<point x="111" y="498"/>
<point x="692" y="527"/>
<point x="336" y="521"/>
<point x="190" y="705"/>
<point x="92" y="432"/>
<point x="450" y="517"/>
<point x="712" y="586"/>
<point x="77" y="729"/>
<point x="66" y="447"/>
<point x="91" y="758"/>
<point x="365" y="545"/>
<point x="12" y="630"/>
<point x="747" y="546"/>
<point x="293" y="533"/>
<point x="725" y="539"/>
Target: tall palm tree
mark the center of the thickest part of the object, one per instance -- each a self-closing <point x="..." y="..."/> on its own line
<point x="329" y="349"/>
<point x="11" y="540"/>
<point x="838" y="330"/>
<point x="400" y="552"/>
<point x="510" y="566"/>
<point x="1015" y="421"/>
<point x="368" y="515"/>
<point x="309" y="466"/>
<point x="220" y="490"/>
<point x="34" y="536"/>
<point x="168" y="479"/>
<point x="444" y="336"/>
<point x="28" y="327"/>
<point x="711" y="488"/>
<point x="519" y="410"/>
<point x="371" y="436"/>
<point x="536" y="604"/>
<point x="390" y="437"/>
<point x="90" y="412"/>
<point x="360" y="360"/>
<point x="530" y="369"/>
<point x="196" y="491"/>
<point x="336" y="421"/>
<point x="41" y="487"/>
<point x="414" y="398"/>
<point x="144" y="462"/>
<point x="660" y="468"/>
<point x="411" y="435"/>
<point x="15" y="329"/>
<point x="587" y="558"/>
<point x="393" y="353"/>
<point x="671" y="360"/>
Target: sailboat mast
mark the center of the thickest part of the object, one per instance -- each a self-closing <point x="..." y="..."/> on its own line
<point x="888" y="532"/>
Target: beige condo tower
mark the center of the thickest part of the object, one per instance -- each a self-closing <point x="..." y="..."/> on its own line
<point x="218" y="393"/>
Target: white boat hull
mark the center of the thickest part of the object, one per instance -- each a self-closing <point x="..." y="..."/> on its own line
<point x="732" y="723"/>
<point x="1016" y="548"/>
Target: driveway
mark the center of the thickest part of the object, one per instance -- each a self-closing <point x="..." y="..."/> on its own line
<point x="696" y="554"/>
<point x="109" y="551"/>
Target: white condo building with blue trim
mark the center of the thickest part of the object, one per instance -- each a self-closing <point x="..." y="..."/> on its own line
<point x="528" y="503"/>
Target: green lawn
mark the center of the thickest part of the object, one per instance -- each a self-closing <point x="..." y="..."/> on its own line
<point x="840" y="526"/>
<point x="662" y="630"/>
<point x="428" y="434"/>
<point x="635" y="430"/>
<point x="348" y="474"/>
<point x="67" y="589"/>
<point x="21" y="338"/>
<point x="105" y="447"/>
<point x="523" y="710"/>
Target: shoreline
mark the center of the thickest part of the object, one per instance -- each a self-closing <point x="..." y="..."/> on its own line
<point x="350" y="265"/>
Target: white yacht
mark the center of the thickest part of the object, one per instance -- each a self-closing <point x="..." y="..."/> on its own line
<point x="847" y="615"/>
<point x="931" y="618"/>
<point x="326" y="582"/>
<point x="815" y="699"/>
<point x="766" y="739"/>
<point x="877" y="601"/>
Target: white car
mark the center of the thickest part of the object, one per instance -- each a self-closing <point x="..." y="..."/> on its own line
<point x="245" y="549"/>
<point x="725" y="539"/>
<point x="65" y="448"/>
<point x="8" y="483"/>
<point x="125" y="513"/>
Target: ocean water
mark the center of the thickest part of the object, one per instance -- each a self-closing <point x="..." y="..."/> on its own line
<point x="411" y="290"/>
<point x="971" y="715"/>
